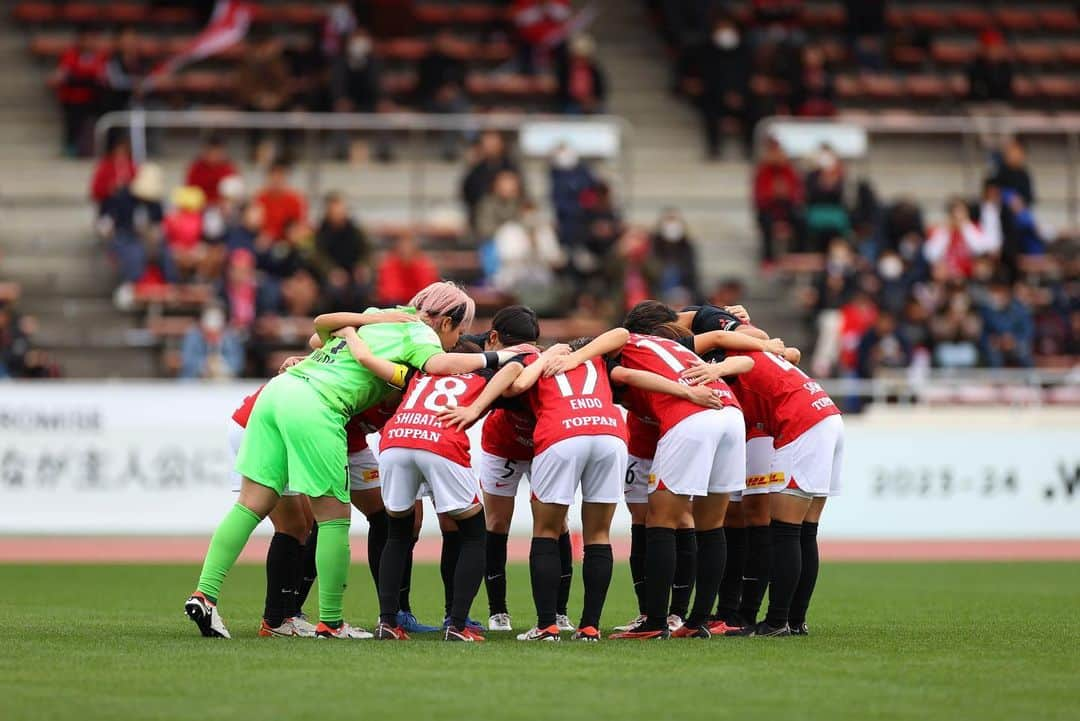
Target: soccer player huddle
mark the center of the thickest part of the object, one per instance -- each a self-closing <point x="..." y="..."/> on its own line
<point x="725" y="455"/>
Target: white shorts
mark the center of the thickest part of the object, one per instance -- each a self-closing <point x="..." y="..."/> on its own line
<point x="811" y="464"/>
<point x="759" y="478"/>
<point x="636" y="488"/>
<point x="500" y="476"/>
<point x="704" y="453"/>
<point x="406" y="472"/>
<point x="363" y="471"/>
<point x="596" y="463"/>
<point x="236" y="437"/>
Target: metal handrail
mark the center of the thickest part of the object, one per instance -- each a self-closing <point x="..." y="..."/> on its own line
<point x="969" y="128"/>
<point x="416" y="125"/>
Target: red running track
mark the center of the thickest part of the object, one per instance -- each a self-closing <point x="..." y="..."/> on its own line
<point x="171" y="549"/>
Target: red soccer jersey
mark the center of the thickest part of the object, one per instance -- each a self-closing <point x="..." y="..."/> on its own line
<point x="665" y="358"/>
<point x="576" y="403"/>
<point x="644" y="435"/>
<point x="509" y="434"/>
<point x="791" y="401"/>
<point x="243" y="413"/>
<point x="363" y="424"/>
<point x="416" y="423"/>
<point x="756" y="413"/>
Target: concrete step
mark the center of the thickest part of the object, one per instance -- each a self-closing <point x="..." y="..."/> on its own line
<point x="108" y="363"/>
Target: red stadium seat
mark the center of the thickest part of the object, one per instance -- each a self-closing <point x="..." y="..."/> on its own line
<point x="301" y="14"/>
<point x="897" y="18"/>
<point x="1059" y="20"/>
<point x="952" y="53"/>
<point x="1070" y="53"/>
<point x="825" y="17"/>
<point x="847" y="87"/>
<point x="173" y="16"/>
<point x="909" y="55"/>
<point x="410" y="49"/>
<point x="83" y="13"/>
<point x="1035" y="53"/>
<point x="882" y="87"/>
<point x="479" y="14"/>
<point x="1016" y="20"/>
<point x="926" y="87"/>
<point x="48" y="46"/>
<point x="126" y="13"/>
<point x="434" y="14"/>
<point x="974" y="19"/>
<point x="1024" y="88"/>
<point x="36" y="12"/>
<point x="1057" y="87"/>
<point x="929" y="18"/>
<point x="958" y="85"/>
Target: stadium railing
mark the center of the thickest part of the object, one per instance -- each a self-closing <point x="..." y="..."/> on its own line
<point x="968" y="386"/>
<point x="602" y="137"/>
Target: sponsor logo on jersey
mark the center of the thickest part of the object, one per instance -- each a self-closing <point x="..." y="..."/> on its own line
<point x="370" y="474"/>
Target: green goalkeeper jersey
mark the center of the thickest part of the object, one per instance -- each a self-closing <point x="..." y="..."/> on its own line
<point x="349" y="387"/>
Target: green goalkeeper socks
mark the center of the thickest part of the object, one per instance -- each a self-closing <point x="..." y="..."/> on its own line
<point x="332" y="565"/>
<point x="229" y="539"/>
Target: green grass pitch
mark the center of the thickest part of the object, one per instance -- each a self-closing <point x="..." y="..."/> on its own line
<point x="890" y="641"/>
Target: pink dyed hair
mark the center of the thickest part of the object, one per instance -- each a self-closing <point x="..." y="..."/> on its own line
<point x="445" y="298"/>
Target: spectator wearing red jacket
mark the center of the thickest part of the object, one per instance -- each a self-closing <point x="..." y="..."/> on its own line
<point x="115" y="170"/>
<point x="79" y="80"/>
<point x="778" y="199"/>
<point x="208" y="170"/>
<point x="404" y="272"/>
<point x="541" y="25"/>
<point x="281" y="204"/>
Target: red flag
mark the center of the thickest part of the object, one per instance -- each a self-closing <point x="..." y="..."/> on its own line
<point x="228" y="26"/>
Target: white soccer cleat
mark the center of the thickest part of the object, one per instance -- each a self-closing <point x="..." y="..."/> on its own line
<point x="633" y="625"/>
<point x="551" y="633"/>
<point x="674" y="622"/>
<point x="304" y="628"/>
<point x="343" y="631"/>
<point x="500" y="622"/>
<point x="563" y="622"/>
<point x="205" y="615"/>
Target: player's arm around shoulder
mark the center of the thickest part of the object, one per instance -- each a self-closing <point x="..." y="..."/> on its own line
<point x="393" y="373"/>
<point x="608" y="342"/>
<point x="464" y="416"/>
<point x="653" y="382"/>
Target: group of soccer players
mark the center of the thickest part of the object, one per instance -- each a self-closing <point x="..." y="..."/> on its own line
<point x="725" y="455"/>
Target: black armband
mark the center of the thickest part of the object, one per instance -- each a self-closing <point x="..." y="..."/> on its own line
<point x="491" y="359"/>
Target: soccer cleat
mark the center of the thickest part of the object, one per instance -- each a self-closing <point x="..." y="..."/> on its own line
<point x="762" y="629"/>
<point x="469" y="624"/>
<point x="799" y="629"/>
<point x="304" y="628"/>
<point x="633" y="625"/>
<point x="287" y="628"/>
<point x="586" y="633"/>
<point x="500" y="622"/>
<point x="685" y="631"/>
<point x="551" y="633"/>
<point x="641" y="634"/>
<point x="720" y="628"/>
<point x="342" y="631"/>
<point x="467" y="635"/>
<point x="674" y="622"/>
<point x="563" y="622"/>
<point x="386" y="632"/>
<point x="407" y="621"/>
<point x="205" y="615"/>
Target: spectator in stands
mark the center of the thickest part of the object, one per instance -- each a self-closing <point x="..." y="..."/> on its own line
<point x="130" y="221"/>
<point x="14" y="343"/>
<point x="896" y="281"/>
<point x="1008" y="328"/>
<point x="281" y="204"/>
<point x="343" y="252"/>
<point x="954" y="245"/>
<point x="724" y="64"/>
<point x="210" y="349"/>
<point x="505" y="203"/>
<point x="78" y="81"/>
<point x="182" y="229"/>
<point x="403" y="272"/>
<point x="832" y="290"/>
<point x="727" y="291"/>
<point x="595" y="253"/>
<point x="883" y="346"/>
<point x="441" y="84"/>
<point x="310" y="72"/>
<point x="570" y="177"/>
<point x="340" y="22"/>
<point x="582" y="83"/>
<point x="673" y="250"/>
<point x="826" y="215"/>
<point x="990" y="76"/>
<point x="956" y="330"/>
<point x="914" y="326"/>
<point x="812" y="92"/>
<point x="264" y="84"/>
<point x="115" y="170"/>
<point x="540" y="26"/>
<point x="778" y="200"/>
<point x="991" y="213"/>
<point x="124" y="72"/>
<point x="1011" y="171"/>
<point x="529" y="258"/>
<point x="239" y="290"/>
<point x="866" y="24"/>
<point x="211" y="167"/>
<point x="491" y="158"/>
<point x="356" y="84"/>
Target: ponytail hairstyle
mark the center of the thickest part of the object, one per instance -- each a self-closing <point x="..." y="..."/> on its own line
<point x="516" y="324"/>
<point x="647" y="315"/>
<point x="447" y="300"/>
<point x="671" y="331"/>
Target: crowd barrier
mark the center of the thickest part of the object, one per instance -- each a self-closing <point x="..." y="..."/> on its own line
<point x="152" y="458"/>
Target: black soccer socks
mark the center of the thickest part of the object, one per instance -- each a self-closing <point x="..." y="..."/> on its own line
<point x="545" y="569"/>
<point x="731" y="584"/>
<point x="786" y="569"/>
<point x="307" y="568"/>
<point x="448" y="560"/>
<point x="392" y="566"/>
<point x="637" y="563"/>
<point x="758" y="570"/>
<point x="686" y="562"/>
<point x="376" y="540"/>
<point x="283" y="571"/>
<point x="566" y="577"/>
<point x="808" y="577"/>
<point x="469" y="570"/>
<point x="659" y="573"/>
<point x="596" y="567"/>
<point x="495" y="574"/>
<point x="712" y="555"/>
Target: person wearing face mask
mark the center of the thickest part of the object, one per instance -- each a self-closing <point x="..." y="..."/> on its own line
<point x="673" y="247"/>
<point x="895" y="282"/>
<point x="825" y="212"/>
<point x="955" y="243"/>
<point x="356" y="84"/>
<point x="529" y="256"/>
<point x="210" y="350"/>
<point x="724" y="63"/>
<point x="569" y="177"/>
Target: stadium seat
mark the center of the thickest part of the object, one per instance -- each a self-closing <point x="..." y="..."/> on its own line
<point x="36" y="12"/>
<point x="897" y="17"/>
<point x="909" y="55"/>
<point x="126" y="13"/>
<point x="971" y="18"/>
<point x="824" y="17"/>
<point x="83" y="13"/>
<point x="174" y="296"/>
<point x="1057" y="87"/>
<point x="847" y="87"/>
<point x="926" y="87"/>
<point x="1016" y="20"/>
<point x="882" y="87"/>
<point x="802" y="263"/>
<point x="1060" y="20"/>
<point x="951" y="53"/>
<point x="1024" y="88"/>
<point x="1070" y="53"/>
<point x="1035" y="53"/>
<point x="929" y="18"/>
